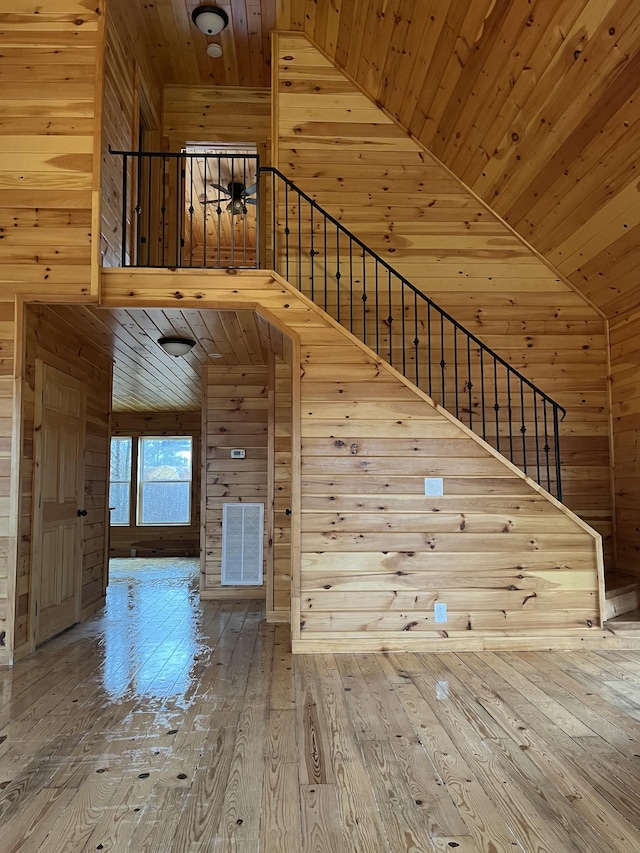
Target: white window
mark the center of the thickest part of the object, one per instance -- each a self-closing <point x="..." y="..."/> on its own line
<point x="120" y="481"/>
<point x="164" y="480"/>
<point x="161" y="490"/>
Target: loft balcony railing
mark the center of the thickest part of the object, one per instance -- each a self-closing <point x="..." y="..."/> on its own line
<point x="337" y="271"/>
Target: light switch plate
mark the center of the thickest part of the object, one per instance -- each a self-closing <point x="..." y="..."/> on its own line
<point x="439" y="612"/>
<point x="434" y="487"/>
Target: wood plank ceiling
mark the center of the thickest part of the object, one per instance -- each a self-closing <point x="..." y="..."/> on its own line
<point x="145" y="377"/>
<point x="533" y="104"/>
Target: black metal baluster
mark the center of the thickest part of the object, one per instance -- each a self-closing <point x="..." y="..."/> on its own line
<point x="192" y="209"/>
<point x="456" y="381"/>
<point x="259" y="259"/>
<point x="390" y="321"/>
<point x="469" y="382"/>
<point x="377" y="313"/>
<point x="429" y="360"/>
<point x="556" y="449"/>
<point x="416" y="339"/>
<point x="496" y="405"/>
<point x="443" y="362"/>
<point x="510" y="413"/>
<point x="138" y="209"/>
<point x="151" y="213"/>
<point x="325" y="262"/>
<point x="163" y="209"/>
<point x="178" y="205"/>
<point x="338" y="274"/>
<point x="523" y="428"/>
<point x="232" y="224"/>
<point x="123" y="256"/>
<point x="244" y="215"/>
<point x="205" y="211"/>
<point x="547" y="448"/>
<point x="404" y="334"/>
<point x="312" y="256"/>
<point x="535" y="421"/>
<point x="300" y="276"/>
<point x="286" y="230"/>
<point x="482" y="399"/>
<point x="364" y="297"/>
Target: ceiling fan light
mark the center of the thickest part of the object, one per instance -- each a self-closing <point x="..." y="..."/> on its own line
<point x="237" y="207"/>
<point x="209" y="19"/>
<point x="176" y="346"/>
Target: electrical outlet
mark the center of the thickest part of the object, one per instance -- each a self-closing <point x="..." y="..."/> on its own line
<point x="439" y="612"/>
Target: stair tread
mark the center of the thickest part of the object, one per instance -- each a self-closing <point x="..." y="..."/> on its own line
<point x="632" y="619"/>
<point x="617" y="584"/>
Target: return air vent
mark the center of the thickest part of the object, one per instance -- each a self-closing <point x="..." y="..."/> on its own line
<point x="242" y="537"/>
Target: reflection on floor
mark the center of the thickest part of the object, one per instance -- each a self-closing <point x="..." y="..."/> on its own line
<point x="164" y="590"/>
<point x="168" y="726"/>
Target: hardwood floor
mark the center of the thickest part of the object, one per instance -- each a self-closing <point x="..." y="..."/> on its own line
<point x="168" y="726"/>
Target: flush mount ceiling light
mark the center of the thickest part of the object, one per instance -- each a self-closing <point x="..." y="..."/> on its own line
<point x="176" y="346"/>
<point x="214" y="50"/>
<point x="209" y="19"/>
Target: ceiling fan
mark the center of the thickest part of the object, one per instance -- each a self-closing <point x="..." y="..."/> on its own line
<point x="238" y="196"/>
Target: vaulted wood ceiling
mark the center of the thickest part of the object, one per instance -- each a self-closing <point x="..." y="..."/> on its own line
<point x="531" y="103"/>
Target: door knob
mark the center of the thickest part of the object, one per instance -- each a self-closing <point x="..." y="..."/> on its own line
<point x="82" y="512"/>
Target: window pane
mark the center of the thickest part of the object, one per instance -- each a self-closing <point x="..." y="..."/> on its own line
<point x="120" y="460"/>
<point x="165" y="458"/>
<point x="119" y="498"/>
<point x="165" y="503"/>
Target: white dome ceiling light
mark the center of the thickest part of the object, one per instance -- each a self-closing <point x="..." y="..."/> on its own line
<point x="210" y="20"/>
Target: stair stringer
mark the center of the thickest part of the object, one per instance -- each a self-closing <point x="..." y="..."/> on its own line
<point x="371" y="554"/>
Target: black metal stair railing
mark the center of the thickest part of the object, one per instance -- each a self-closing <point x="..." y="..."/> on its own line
<point x="203" y="210"/>
<point x="360" y="290"/>
<point x="188" y="210"/>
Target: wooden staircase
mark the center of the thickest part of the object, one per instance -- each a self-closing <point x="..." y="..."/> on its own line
<point x="622" y="602"/>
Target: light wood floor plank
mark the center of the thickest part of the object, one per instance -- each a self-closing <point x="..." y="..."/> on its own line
<point x="166" y="724"/>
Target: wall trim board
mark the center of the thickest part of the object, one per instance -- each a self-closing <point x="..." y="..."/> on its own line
<point x="234" y="593"/>
<point x="357" y="644"/>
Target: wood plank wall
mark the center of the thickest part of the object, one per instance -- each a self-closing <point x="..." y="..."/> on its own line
<point x="49" y="62"/>
<point x="7" y="460"/>
<point x="280" y="603"/>
<point x="217" y="114"/>
<point x="130" y="86"/>
<point x="625" y="391"/>
<point x="49" y="335"/>
<point x="169" y="541"/>
<point x="235" y="415"/>
<point x="343" y="151"/>
<point x="372" y="553"/>
<point x="533" y="105"/>
<point x="50" y="65"/>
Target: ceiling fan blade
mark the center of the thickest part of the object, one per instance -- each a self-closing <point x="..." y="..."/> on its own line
<point x="222" y="189"/>
<point x="250" y="190"/>
<point x="204" y="200"/>
<point x="250" y="201"/>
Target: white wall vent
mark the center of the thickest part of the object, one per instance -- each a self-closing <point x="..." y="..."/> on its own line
<point x="242" y="538"/>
